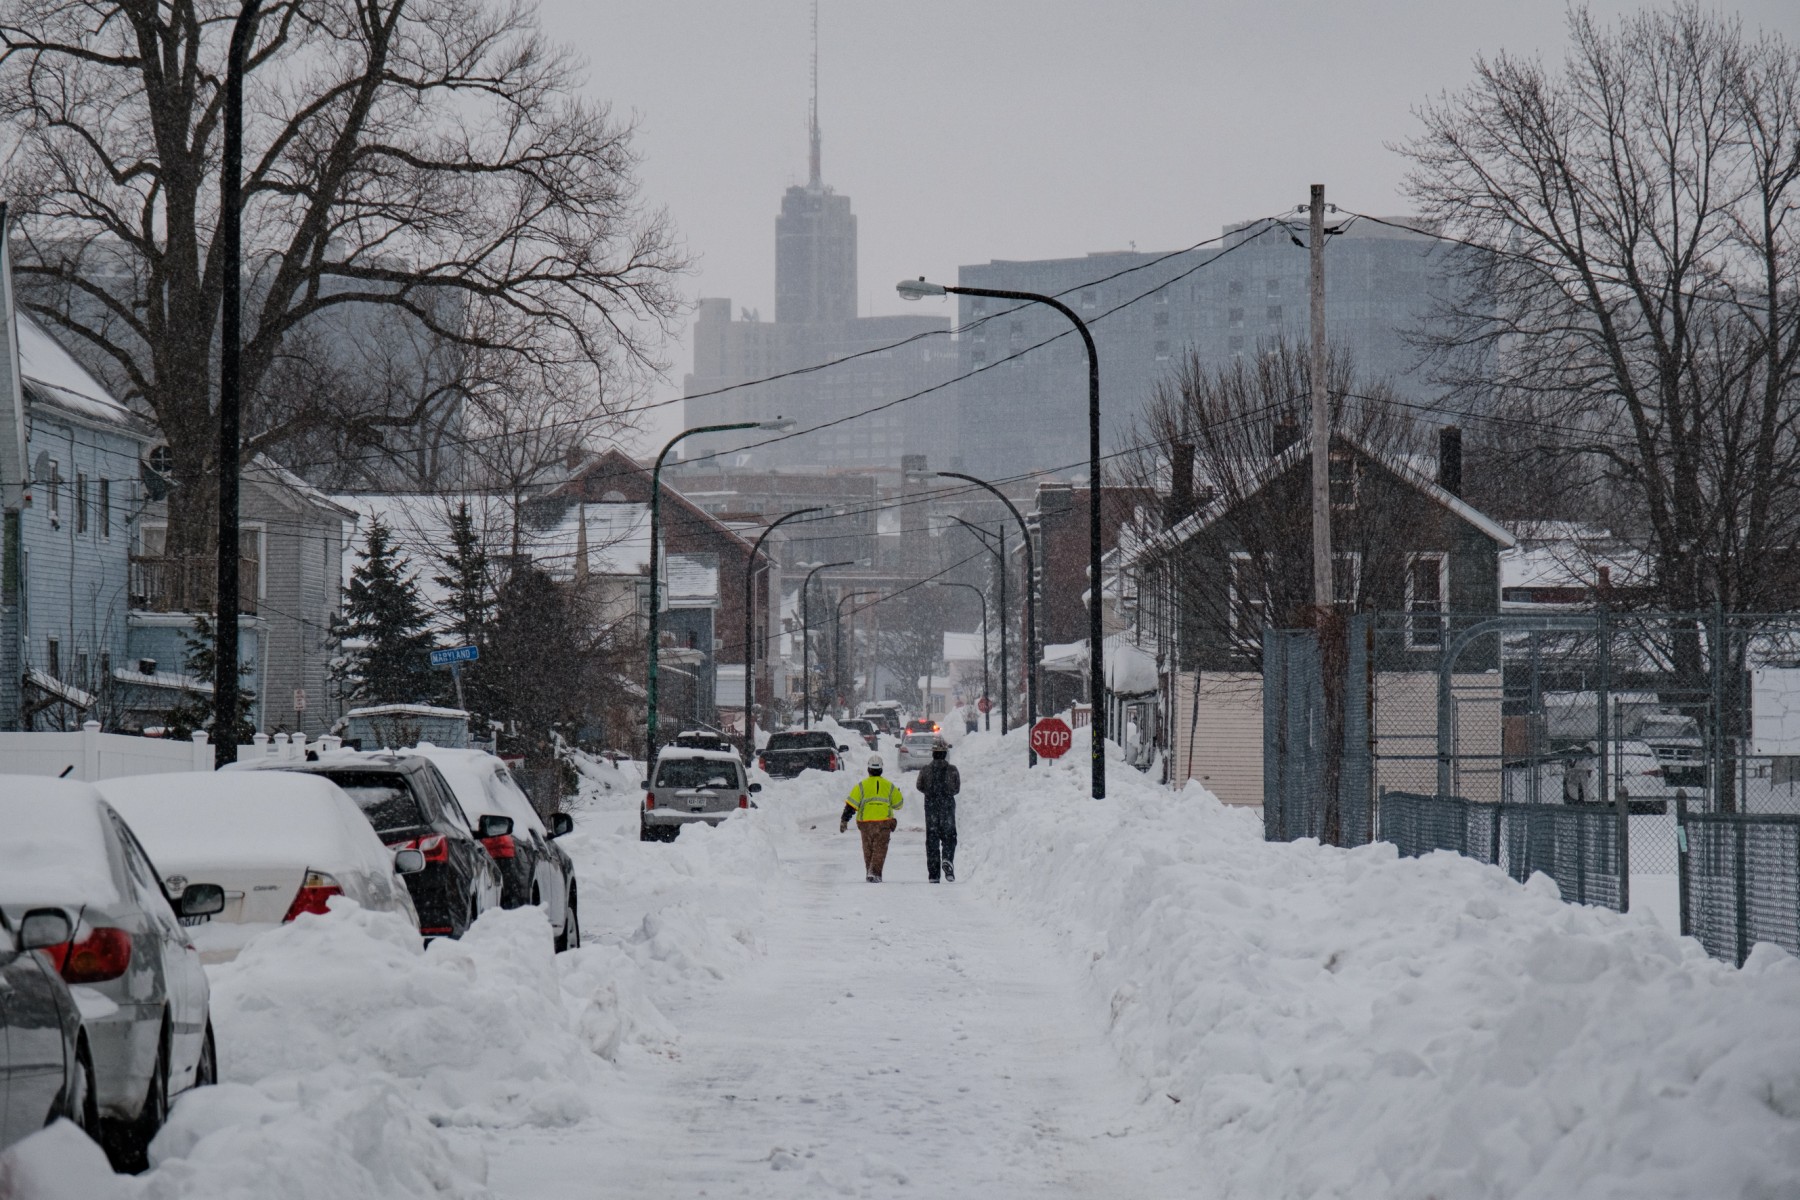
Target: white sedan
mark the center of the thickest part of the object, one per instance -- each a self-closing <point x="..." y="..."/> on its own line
<point x="281" y="844"/>
<point x="135" y="976"/>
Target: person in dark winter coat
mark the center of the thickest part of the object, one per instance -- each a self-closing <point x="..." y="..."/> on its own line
<point x="938" y="783"/>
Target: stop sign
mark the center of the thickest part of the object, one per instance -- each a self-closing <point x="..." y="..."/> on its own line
<point x="983" y="704"/>
<point x="1050" y="737"/>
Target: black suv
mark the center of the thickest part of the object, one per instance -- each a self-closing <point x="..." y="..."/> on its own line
<point x="412" y="808"/>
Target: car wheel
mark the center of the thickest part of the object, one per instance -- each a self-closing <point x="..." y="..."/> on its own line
<point x="206" y="1072"/>
<point x="570" y="937"/>
<point x="127" y="1143"/>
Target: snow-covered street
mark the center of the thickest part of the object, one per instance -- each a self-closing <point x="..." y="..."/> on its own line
<point x="1137" y="998"/>
<point x="887" y="1038"/>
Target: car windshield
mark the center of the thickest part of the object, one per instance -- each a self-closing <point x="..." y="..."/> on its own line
<point x="695" y="773"/>
<point x="802" y="741"/>
<point x="916" y="740"/>
<point x="385" y="799"/>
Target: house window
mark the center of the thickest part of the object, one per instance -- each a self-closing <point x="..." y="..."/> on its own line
<point x="979" y="357"/>
<point x="53" y="658"/>
<point x="55" y="492"/>
<point x="1161" y="319"/>
<point x="1274" y="312"/>
<point x="1274" y="286"/>
<point x="1162" y="351"/>
<point x="1235" y="318"/>
<point x="81" y="502"/>
<point x="1237" y="344"/>
<point x="1089" y="298"/>
<point x="105" y="508"/>
<point x="1346" y="477"/>
<point x="1248" y="601"/>
<point x="1427" y="585"/>
<point x="81" y="668"/>
<point x="1235" y="287"/>
<point x="1346" y="578"/>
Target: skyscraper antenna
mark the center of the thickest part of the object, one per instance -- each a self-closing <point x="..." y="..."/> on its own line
<point x="812" y="121"/>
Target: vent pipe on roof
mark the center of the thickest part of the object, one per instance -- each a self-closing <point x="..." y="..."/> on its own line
<point x="1450" y="462"/>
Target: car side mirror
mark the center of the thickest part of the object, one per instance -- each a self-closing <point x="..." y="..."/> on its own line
<point x="561" y="823"/>
<point x="644" y="785"/>
<point x="409" y="862"/>
<point x="843" y="749"/>
<point x="491" y="826"/>
<point x="201" y="900"/>
<point x="42" y="928"/>
<point x="756" y="787"/>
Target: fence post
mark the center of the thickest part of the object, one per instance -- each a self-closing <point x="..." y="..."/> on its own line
<point x="1743" y="906"/>
<point x="1718" y="758"/>
<point x="203" y="754"/>
<point x="1681" y="860"/>
<point x="90" y="751"/>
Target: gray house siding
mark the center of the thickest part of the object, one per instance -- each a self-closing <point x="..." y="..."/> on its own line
<point x="73" y="555"/>
<point x="302" y="582"/>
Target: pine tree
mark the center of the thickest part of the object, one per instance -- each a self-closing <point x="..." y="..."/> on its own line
<point x="468" y="608"/>
<point x="383" y="630"/>
<point x="180" y="722"/>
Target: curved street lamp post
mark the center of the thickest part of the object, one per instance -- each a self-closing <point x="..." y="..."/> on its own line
<point x="806" y="640"/>
<point x="750" y="630"/>
<point x="1032" y="652"/>
<point x="918" y="289"/>
<point x="987" y="714"/>
<point x="655" y="532"/>
<point x="837" y="638"/>
<point x="1000" y="554"/>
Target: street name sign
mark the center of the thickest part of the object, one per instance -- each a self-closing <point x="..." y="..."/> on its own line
<point x="456" y="654"/>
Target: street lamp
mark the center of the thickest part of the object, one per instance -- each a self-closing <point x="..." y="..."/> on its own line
<point x="806" y="640"/>
<point x="987" y="713"/>
<point x="231" y="190"/>
<point x="750" y="630"/>
<point x="655" y="531"/>
<point x="1032" y="653"/>
<point x="918" y="289"/>
<point x="1000" y="554"/>
<point x="837" y="636"/>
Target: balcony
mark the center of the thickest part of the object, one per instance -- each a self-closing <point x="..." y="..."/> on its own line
<point x="176" y="585"/>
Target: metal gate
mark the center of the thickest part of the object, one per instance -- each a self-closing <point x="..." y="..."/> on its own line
<point x="1304" y="763"/>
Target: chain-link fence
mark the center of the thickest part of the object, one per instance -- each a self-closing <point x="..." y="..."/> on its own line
<point x="1608" y="721"/>
<point x="1740" y="880"/>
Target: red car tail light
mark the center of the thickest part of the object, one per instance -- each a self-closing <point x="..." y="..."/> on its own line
<point x="315" y="890"/>
<point x="833" y="765"/>
<point x="434" y="846"/>
<point x="649" y="800"/>
<point x="500" y="847"/>
<point x="743" y="800"/>
<point x="103" y="954"/>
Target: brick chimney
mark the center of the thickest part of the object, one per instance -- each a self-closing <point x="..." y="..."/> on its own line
<point x="1450" y="475"/>
<point x="1287" y="432"/>
<point x="1180" y="502"/>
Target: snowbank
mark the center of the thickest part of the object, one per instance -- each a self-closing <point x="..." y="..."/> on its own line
<point x="1334" y="1023"/>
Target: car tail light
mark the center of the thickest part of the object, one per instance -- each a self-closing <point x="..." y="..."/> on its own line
<point x="649" y="801"/>
<point x="743" y="800"/>
<point x="833" y="763"/>
<point x="103" y="954"/>
<point x="434" y="846"/>
<point x="500" y="847"/>
<point x="315" y="890"/>
<point x="436" y="930"/>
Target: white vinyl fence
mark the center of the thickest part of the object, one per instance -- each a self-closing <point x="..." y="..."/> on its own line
<point x="90" y="755"/>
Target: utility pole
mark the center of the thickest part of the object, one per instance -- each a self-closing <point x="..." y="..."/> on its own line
<point x="1323" y="592"/>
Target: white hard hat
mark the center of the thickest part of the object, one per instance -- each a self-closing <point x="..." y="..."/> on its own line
<point x="874" y="762"/>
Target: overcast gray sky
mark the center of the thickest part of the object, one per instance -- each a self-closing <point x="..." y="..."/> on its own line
<point x="985" y="129"/>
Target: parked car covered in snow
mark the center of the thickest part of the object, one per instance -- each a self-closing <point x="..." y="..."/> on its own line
<point x="134" y="974"/>
<point x="279" y="844"/>
<point x="46" y="1069"/>
<point x="533" y="868"/>
<point x="915" y="750"/>
<point x="411" y="807"/>
<point x="871" y="736"/>
<point x="689" y="787"/>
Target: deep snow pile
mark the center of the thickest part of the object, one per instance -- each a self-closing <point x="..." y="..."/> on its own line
<point x="1340" y="1023"/>
<point x="356" y="1063"/>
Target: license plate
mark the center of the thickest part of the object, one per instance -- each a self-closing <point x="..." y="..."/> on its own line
<point x="697" y="808"/>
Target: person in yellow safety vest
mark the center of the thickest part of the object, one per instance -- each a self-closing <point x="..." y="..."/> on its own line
<point x="873" y="802"/>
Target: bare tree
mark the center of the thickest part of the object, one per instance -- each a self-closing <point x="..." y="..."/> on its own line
<point x="426" y="157"/>
<point x="1639" y="316"/>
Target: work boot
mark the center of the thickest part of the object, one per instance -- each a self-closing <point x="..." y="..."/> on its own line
<point x="873" y="878"/>
<point x="934" y="878"/>
<point x="949" y="873"/>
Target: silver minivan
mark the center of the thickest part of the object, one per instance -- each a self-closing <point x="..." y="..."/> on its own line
<point x="690" y="786"/>
<point x="129" y="963"/>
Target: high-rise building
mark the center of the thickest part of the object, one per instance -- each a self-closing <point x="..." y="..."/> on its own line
<point x="838" y="413"/>
<point x="1220" y="302"/>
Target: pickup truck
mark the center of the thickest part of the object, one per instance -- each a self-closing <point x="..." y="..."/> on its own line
<point x="788" y="754"/>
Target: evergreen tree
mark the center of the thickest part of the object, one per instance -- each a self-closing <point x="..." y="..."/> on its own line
<point x="196" y="712"/>
<point x="468" y="612"/>
<point x="383" y="630"/>
<point x="540" y="668"/>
